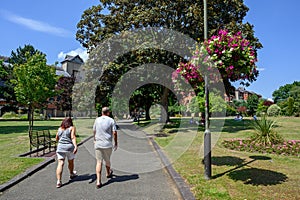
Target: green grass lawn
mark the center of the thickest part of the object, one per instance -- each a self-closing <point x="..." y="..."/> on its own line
<point x="236" y="174"/>
<point x="14" y="140"/>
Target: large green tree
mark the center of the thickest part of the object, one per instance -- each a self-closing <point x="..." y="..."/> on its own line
<point x="20" y="55"/>
<point x="111" y="17"/>
<point x="285" y="91"/>
<point x="217" y="103"/>
<point x="17" y="57"/>
<point x="6" y="87"/>
<point x="34" y="82"/>
<point x="185" y="16"/>
<point x="288" y="98"/>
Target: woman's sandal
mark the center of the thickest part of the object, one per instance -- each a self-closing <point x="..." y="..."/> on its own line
<point x="58" y="184"/>
<point x="110" y="174"/>
<point x="98" y="186"/>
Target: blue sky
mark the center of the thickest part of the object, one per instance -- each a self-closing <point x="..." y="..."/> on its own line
<point x="50" y="26"/>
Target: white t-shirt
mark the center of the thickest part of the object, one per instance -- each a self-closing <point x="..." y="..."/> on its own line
<point x="104" y="127"/>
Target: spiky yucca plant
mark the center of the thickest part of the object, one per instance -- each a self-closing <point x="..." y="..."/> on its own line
<point x="265" y="133"/>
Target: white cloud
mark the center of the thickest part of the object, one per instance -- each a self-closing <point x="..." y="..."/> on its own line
<point x="37" y="25"/>
<point x="261" y="69"/>
<point x="79" y="51"/>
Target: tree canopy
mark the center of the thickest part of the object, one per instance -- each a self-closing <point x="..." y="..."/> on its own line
<point x="252" y="104"/>
<point x="6" y="87"/>
<point x="285" y="91"/>
<point x="111" y="17"/>
<point x="17" y="57"/>
<point x="34" y="82"/>
<point x="185" y="16"/>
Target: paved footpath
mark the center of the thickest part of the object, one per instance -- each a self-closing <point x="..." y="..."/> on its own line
<point x="138" y="174"/>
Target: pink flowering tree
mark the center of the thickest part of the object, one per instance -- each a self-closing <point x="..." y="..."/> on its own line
<point x="231" y="54"/>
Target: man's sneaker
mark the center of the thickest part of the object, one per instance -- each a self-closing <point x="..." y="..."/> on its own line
<point x="73" y="175"/>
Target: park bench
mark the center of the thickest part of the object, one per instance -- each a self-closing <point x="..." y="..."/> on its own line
<point x="40" y="141"/>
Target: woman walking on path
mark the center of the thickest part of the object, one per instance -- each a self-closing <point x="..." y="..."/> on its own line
<point x="67" y="147"/>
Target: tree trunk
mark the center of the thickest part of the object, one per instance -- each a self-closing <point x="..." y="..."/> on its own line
<point x="30" y="119"/>
<point x="148" y="106"/>
<point x="164" y="101"/>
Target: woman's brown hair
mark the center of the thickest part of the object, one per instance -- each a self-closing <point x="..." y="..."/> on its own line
<point x="66" y="123"/>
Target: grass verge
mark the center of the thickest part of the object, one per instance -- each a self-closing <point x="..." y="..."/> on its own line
<point x="236" y="174"/>
<point x="14" y="141"/>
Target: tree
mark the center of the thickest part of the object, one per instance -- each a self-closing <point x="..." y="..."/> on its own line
<point x="64" y="88"/>
<point x="20" y="55"/>
<point x="263" y="105"/>
<point x="217" y="103"/>
<point x="145" y="97"/>
<point x="273" y="110"/>
<point x="252" y="104"/>
<point x="240" y="106"/>
<point x="185" y="16"/>
<point x="6" y="87"/>
<point x="285" y="91"/>
<point x="34" y="82"/>
<point x="17" y="57"/>
<point x="290" y="106"/>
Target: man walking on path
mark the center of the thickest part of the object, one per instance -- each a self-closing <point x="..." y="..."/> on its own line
<point x="104" y="130"/>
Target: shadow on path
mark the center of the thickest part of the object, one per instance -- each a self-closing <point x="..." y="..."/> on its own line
<point x="92" y="178"/>
<point x="123" y="178"/>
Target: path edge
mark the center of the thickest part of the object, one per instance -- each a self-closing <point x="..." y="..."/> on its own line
<point x="181" y="185"/>
<point x="33" y="169"/>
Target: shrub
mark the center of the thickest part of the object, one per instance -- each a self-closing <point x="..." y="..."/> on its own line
<point x="264" y="132"/>
<point x="9" y="115"/>
<point x="24" y="116"/>
<point x="242" y="109"/>
<point x="178" y="115"/>
<point x="273" y="110"/>
<point x="230" y="111"/>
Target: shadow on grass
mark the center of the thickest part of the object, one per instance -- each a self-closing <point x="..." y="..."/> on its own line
<point x="230" y="125"/>
<point x="24" y="129"/>
<point x="255" y="176"/>
<point x="250" y="175"/>
<point x="233" y="126"/>
<point x="227" y="160"/>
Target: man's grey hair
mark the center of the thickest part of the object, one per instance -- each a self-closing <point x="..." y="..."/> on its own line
<point x="105" y="110"/>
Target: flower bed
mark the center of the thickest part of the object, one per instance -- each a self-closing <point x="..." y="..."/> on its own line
<point x="290" y="147"/>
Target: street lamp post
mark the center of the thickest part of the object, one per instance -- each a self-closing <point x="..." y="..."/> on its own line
<point x="207" y="134"/>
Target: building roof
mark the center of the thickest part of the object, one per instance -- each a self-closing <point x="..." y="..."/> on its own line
<point x="243" y="90"/>
<point x="75" y="59"/>
<point x="60" y="72"/>
<point x="4" y="58"/>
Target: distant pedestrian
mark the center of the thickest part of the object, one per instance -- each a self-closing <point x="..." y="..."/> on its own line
<point x="254" y="117"/>
<point x="66" y="147"/>
<point x="104" y="132"/>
